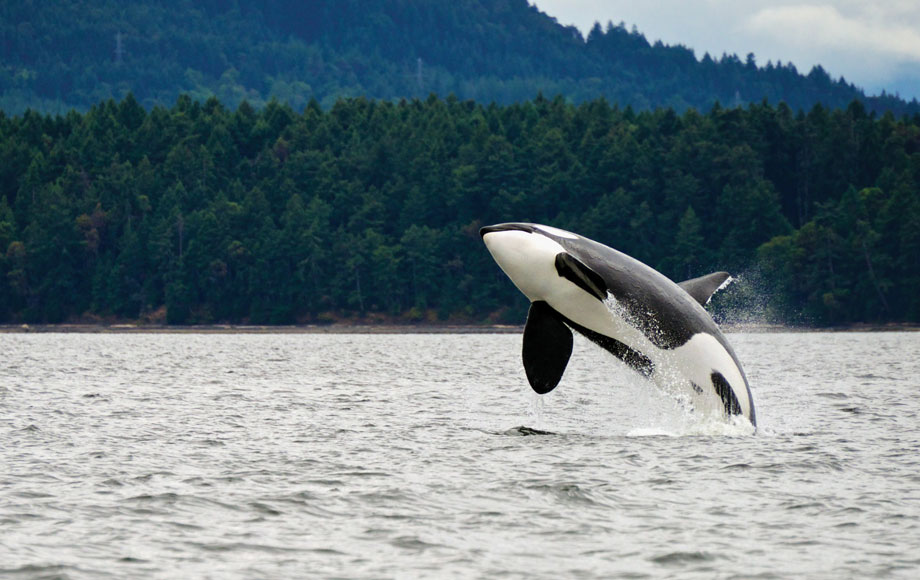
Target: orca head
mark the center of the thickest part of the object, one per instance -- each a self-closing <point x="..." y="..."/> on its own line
<point x="526" y="253"/>
<point x="538" y="257"/>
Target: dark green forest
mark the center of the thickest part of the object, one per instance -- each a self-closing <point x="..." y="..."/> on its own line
<point x="61" y="54"/>
<point x="199" y="213"/>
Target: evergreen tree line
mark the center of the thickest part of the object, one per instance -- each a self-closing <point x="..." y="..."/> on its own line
<point x="63" y="54"/>
<point x="202" y="214"/>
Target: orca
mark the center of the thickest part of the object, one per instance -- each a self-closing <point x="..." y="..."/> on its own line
<point x="655" y="326"/>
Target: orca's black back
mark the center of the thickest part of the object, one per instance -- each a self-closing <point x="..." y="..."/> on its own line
<point x="659" y="307"/>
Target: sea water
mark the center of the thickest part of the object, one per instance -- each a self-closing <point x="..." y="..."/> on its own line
<point x="427" y="455"/>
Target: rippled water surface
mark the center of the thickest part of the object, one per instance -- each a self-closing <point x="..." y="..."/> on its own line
<point x="392" y="456"/>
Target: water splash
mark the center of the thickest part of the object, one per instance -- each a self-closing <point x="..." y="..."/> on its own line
<point x="677" y="412"/>
<point x="734" y="426"/>
<point x="664" y="409"/>
<point x="537" y="406"/>
<point x="722" y="286"/>
<point x="751" y="304"/>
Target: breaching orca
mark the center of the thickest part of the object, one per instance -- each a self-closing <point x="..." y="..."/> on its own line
<point x="655" y="326"/>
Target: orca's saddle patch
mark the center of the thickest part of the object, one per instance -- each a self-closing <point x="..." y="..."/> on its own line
<point x="547" y="347"/>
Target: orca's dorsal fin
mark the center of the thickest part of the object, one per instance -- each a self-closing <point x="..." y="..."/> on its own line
<point x="547" y="347"/>
<point x="704" y="287"/>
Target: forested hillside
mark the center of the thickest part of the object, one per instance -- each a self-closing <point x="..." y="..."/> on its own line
<point x="201" y="213"/>
<point x="59" y="54"/>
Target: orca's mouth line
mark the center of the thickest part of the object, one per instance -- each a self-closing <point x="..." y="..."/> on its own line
<point x="506" y="228"/>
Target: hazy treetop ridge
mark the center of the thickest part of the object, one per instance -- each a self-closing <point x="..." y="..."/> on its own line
<point x="75" y="53"/>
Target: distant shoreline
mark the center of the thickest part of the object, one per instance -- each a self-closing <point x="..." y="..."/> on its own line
<point x="357" y="328"/>
<point x="129" y="328"/>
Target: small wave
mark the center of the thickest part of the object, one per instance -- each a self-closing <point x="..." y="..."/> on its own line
<point x="832" y="395"/>
<point x="566" y="492"/>
<point x="738" y="467"/>
<point x="678" y="558"/>
<point x="265" y="509"/>
<point x="364" y="473"/>
<point x="807" y="505"/>
<point x="245" y="546"/>
<point x="169" y="501"/>
<point x="874" y="377"/>
<point x="332" y="482"/>
<point x="413" y="543"/>
<point x="325" y="551"/>
<point x="31" y="494"/>
<point x="167" y="497"/>
<point x="48" y="572"/>
<point x="522" y="431"/>
<point x="152" y="475"/>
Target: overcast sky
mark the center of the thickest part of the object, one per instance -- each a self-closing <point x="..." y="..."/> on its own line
<point x="872" y="44"/>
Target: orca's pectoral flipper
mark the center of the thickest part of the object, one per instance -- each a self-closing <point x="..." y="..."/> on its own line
<point x="547" y="347"/>
<point x="570" y="268"/>
<point x="704" y="287"/>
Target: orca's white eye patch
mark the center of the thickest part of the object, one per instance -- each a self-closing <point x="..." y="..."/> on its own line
<point x="556" y="232"/>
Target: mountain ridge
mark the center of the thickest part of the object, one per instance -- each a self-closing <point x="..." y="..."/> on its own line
<point x="76" y="53"/>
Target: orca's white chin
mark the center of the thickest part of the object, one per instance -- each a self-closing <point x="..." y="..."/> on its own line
<point x="528" y="259"/>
